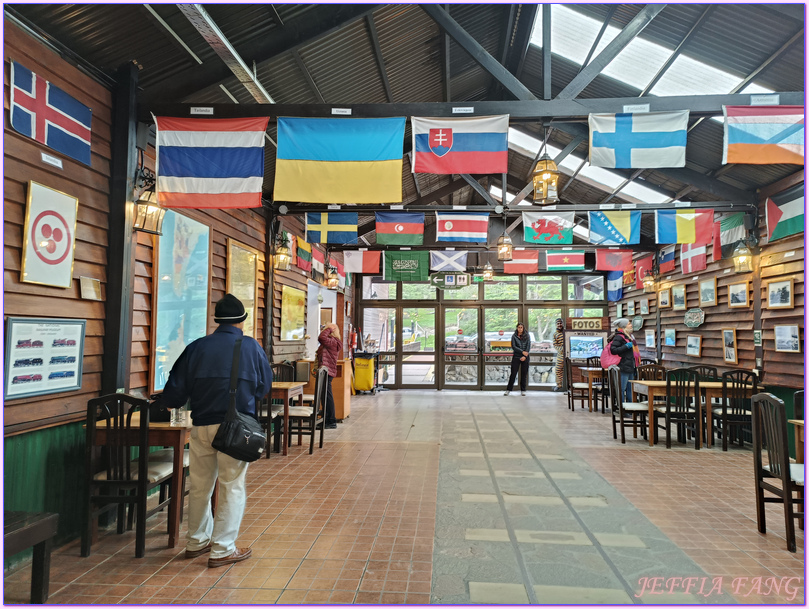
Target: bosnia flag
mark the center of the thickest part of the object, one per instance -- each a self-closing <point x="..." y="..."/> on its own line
<point x="614" y="227"/>
<point x="684" y="226"/>
<point x="345" y="160"/>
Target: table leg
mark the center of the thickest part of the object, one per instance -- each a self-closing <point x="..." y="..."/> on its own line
<point x="286" y="424"/>
<point x="40" y="571"/>
<point x="590" y="391"/>
<point x="651" y="421"/>
<point x="708" y="421"/>
<point x="300" y="404"/>
<point x="177" y="497"/>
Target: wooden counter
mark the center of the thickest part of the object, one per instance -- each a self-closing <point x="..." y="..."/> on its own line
<point x="340" y="386"/>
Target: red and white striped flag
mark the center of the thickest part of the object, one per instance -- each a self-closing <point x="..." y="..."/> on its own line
<point x="318" y="263"/>
<point x="522" y="262"/>
<point x="362" y="262"/>
<point x="461" y="226"/>
<point x="693" y="257"/>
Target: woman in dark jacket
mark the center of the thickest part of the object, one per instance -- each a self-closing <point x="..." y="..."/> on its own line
<point x="521" y="345"/>
<point x="331" y="346"/>
<point x="622" y="343"/>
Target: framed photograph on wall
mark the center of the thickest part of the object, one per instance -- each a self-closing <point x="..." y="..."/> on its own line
<point x="644" y="306"/>
<point x="619" y="310"/>
<point x="650" y="339"/>
<point x="678" y="302"/>
<point x="729" y="351"/>
<point x="293" y="313"/>
<point x="738" y="295"/>
<point x="49" y="237"/>
<point x="582" y="344"/>
<point x="664" y="299"/>
<point x="693" y="345"/>
<point x="780" y="294"/>
<point x="43" y="356"/>
<point x="670" y="337"/>
<point x="788" y="339"/>
<point x="181" y="294"/>
<point x="707" y="292"/>
<point x="630" y="308"/>
<point x="242" y="280"/>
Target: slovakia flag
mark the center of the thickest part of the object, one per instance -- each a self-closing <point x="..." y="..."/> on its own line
<point x="42" y="111"/>
<point x="460" y="145"/>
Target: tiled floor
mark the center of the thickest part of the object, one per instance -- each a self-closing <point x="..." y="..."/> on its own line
<point x="467" y="497"/>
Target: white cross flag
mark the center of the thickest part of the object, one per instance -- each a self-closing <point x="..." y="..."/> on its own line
<point x="448" y="260"/>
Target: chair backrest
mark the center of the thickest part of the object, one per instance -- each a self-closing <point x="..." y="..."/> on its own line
<point x="650" y="372"/>
<point x="614" y="376"/>
<point x="321" y="390"/>
<point x="682" y="385"/>
<point x="113" y="414"/>
<point x="797" y="404"/>
<point x="594" y="362"/>
<point x="706" y="373"/>
<point x="647" y="360"/>
<point x="770" y="434"/>
<point x="568" y="376"/>
<point x="735" y="389"/>
<point x="283" y="373"/>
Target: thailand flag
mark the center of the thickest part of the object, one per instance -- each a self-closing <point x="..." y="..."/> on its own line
<point x="42" y="111"/>
<point x="210" y="162"/>
<point x="460" y="145"/>
<point x="462" y="226"/>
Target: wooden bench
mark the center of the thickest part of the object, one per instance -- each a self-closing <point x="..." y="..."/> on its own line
<point x="23" y="530"/>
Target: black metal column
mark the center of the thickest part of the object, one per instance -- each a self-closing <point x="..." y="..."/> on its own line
<point x="120" y="254"/>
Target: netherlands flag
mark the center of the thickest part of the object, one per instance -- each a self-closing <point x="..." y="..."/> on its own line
<point x="42" y="111"/>
<point x="462" y="226"/>
<point x="210" y="163"/>
<point x="460" y="145"/>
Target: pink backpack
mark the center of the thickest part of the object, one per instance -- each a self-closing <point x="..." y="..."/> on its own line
<point x="608" y="359"/>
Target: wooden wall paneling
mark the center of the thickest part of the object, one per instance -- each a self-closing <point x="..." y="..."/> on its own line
<point x="91" y="185"/>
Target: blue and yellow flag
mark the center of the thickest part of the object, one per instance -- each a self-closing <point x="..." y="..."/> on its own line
<point x="332" y="227"/>
<point x="339" y="160"/>
<point x="614" y="227"/>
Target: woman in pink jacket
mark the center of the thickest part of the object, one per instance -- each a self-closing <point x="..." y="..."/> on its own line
<point x="331" y="346"/>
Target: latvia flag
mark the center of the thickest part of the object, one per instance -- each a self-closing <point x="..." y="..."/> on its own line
<point x="522" y="262"/>
<point x="363" y="262"/>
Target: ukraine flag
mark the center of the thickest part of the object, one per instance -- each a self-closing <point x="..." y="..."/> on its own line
<point x="339" y="160"/>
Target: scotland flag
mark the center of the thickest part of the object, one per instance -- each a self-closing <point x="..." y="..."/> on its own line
<point x="42" y="111"/>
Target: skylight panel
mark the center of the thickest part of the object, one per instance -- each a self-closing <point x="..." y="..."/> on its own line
<point x="523" y="143"/>
<point x="688" y="76"/>
<point x="644" y="193"/>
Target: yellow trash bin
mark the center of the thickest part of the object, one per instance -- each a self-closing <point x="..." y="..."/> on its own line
<point x="364" y="371"/>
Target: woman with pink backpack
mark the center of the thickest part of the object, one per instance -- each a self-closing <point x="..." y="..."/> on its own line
<point x="622" y="344"/>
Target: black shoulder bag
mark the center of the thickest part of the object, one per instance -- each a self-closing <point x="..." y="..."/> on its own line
<point x="240" y="435"/>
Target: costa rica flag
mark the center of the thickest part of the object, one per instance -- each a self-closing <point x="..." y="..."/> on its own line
<point x="460" y="145"/>
<point x="42" y="111"/>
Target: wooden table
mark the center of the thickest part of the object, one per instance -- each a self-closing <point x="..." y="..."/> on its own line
<point x="798" y="423"/>
<point x="591" y="374"/>
<point x="285" y="391"/>
<point x="22" y="530"/>
<point x="176" y="436"/>
<point x="710" y="389"/>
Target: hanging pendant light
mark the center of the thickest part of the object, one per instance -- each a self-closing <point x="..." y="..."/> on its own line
<point x="282" y="256"/>
<point x="504" y="247"/>
<point x="332" y="280"/>
<point x="546" y="178"/>
<point x="742" y="258"/>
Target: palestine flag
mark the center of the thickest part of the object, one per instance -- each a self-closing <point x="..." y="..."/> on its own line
<point x="399" y="228"/>
<point x="566" y="260"/>
<point x="304" y="255"/>
<point x="785" y="214"/>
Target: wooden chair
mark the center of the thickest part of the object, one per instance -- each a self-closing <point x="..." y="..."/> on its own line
<point x="681" y="407"/>
<point x="114" y="479"/>
<point x="600" y="386"/>
<point x="770" y="434"/>
<point x="651" y="372"/>
<point x="270" y="415"/>
<point x="311" y="418"/>
<point x="646" y="360"/>
<point x="622" y="409"/>
<point x="797" y="404"/>
<point x="706" y="373"/>
<point x="734" y="412"/>
<point x="575" y="391"/>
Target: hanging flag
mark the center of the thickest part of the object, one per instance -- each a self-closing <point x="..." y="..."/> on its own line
<point x="693" y="258"/>
<point x="399" y="228"/>
<point x="763" y="135"/>
<point x="341" y="276"/>
<point x="210" y="162"/>
<point x="716" y="250"/>
<point x="565" y="260"/>
<point x="615" y="288"/>
<point x="614" y="260"/>
<point x="339" y="160"/>
<point x="462" y="226"/>
<point x="363" y="262"/>
<point x="42" y="111"/>
<point x="292" y="241"/>
<point x="647" y="140"/>
<point x="318" y="264"/>
<point x="304" y="255"/>
<point x="331" y="227"/>
<point x="642" y="268"/>
<point x="667" y="262"/>
<point x="407" y="266"/>
<point x="684" y="226"/>
<point x="614" y="227"/>
<point x="629" y="277"/>
<point x="522" y="262"/>
<point x="448" y="260"/>
<point x="728" y="233"/>
<point x="785" y="213"/>
<point x="548" y="228"/>
<point x="460" y="145"/>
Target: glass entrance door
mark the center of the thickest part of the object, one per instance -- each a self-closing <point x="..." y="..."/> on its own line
<point x="499" y="324"/>
<point x="461" y="348"/>
<point x="418" y="348"/>
<point x="379" y="336"/>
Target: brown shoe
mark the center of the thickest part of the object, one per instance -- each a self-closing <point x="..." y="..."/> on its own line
<point x="238" y="556"/>
<point x="200" y="552"/>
